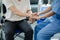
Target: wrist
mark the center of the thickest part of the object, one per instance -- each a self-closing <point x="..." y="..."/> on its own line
<point x="28" y="15"/>
<point x="40" y="17"/>
<point x="40" y="13"/>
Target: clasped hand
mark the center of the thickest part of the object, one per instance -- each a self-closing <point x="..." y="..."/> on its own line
<point x="33" y="17"/>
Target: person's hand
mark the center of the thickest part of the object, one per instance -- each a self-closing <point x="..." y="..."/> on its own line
<point x="36" y="17"/>
<point x="38" y="13"/>
<point x="35" y="14"/>
<point x="31" y="19"/>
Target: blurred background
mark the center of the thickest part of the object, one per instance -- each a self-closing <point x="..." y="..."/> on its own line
<point x="0" y="6"/>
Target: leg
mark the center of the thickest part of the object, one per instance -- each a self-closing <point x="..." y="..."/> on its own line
<point x="39" y="27"/>
<point x="9" y="30"/>
<point x="47" y="32"/>
<point x="26" y="28"/>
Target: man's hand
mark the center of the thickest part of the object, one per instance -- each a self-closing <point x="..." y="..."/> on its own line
<point x="38" y="13"/>
<point x="35" y="16"/>
<point x="31" y="19"/>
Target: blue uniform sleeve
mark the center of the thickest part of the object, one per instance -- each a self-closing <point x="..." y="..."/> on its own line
<point x="56" y="8"/>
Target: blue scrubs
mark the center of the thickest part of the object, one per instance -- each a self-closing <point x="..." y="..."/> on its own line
<point x="54" y="27"/>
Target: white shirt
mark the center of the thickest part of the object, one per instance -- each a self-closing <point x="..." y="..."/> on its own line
<point x="22" y="6"/>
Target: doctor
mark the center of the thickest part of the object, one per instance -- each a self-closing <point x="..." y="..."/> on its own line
<point x="54" y="27"/>
<point x="17" y="11"/>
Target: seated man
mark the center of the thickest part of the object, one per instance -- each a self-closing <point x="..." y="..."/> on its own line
<point x="17" y="11"/>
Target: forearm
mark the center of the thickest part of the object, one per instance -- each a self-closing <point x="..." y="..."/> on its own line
<point x="45" y="11"/>
<point x="29" y="11"/>
<point x="47" y="15"/>
<point x="19" y="13"/>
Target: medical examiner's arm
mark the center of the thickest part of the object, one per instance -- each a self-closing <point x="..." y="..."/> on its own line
<point x="51" y="13"/>
<point x="19" y="13"/>
<point x="45" y="11"/>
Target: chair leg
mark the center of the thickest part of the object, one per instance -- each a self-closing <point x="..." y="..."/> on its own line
<point x="18" y="36"/>
<point x="21" y="36"/>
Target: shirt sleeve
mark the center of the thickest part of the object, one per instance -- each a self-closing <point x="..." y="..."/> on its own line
<point x="7" y="3"/>
<point x="28" y="5"/>
<point x="56" y="8"/>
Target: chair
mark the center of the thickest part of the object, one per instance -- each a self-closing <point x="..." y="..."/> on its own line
<point x="2" y="22"/>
